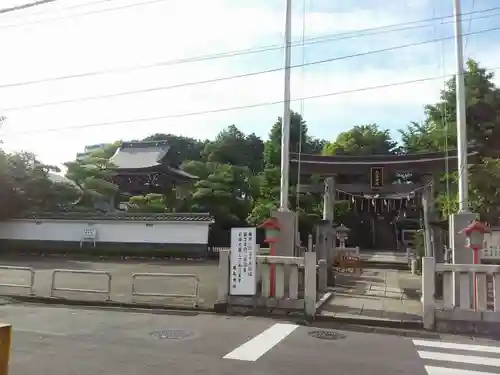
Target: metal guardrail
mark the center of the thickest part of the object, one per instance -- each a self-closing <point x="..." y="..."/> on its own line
<point x="194" y="296"/>
<point x="31" y="281"/>
<point x="84" y="272"/>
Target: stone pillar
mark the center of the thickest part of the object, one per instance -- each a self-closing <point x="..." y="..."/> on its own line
<point x="430" y="214"/>
<point x="328" y="217"/>
<point x="329" y="199"/>
<point x="288" y="233"/>
<point x="426" y="203"/>
<point x="460" y="253"/>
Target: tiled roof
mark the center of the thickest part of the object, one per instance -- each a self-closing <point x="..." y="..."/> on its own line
<point x="146" y="155"/>
<point x="139" y="155"/>
<point x="127" y="216"/>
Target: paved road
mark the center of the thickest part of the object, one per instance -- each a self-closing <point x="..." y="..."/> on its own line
<point x="459" y="357"/>
<point x="70" y="341"/>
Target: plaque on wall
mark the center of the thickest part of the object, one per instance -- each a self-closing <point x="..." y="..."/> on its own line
<point x="376" y="177"/>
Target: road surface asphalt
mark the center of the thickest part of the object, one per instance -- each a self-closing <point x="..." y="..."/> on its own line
<point x="76" y="341"/>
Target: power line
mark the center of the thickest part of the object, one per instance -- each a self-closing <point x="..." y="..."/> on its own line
<point x="90" y="12"/>
<point x="26" y="6"/>
<point x="470" y="24"/>
<point x="236" y="108"/>
<point x="241" y="52"/>
<point x="75" y="6"/>
<point x="158" y="1"/>
<point x="227" y="78"/>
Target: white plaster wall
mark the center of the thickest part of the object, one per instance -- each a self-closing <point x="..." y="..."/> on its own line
<point x="107" y="231"/>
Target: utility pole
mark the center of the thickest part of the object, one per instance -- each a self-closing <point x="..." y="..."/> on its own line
<point x="285" y="123"/>
<point x="462" y="145"/>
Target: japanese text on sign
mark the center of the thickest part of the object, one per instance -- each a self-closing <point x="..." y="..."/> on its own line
<point x="377" y="177"/>
<point x="243" y="256"/>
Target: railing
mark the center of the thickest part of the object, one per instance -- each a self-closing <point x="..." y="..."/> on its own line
<point x="194" y="296"/>
<point x="215" y="250"/>
<point x="107" y="291"/>
<point x="490" y="253"/>
<point x="31" y="278"/>
<point x="477" y="299"/>
<point x="288" y="293"/>
<point x="54" y="282"/>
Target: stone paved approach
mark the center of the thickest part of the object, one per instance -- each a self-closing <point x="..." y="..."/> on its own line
<point x="57" y="340"/>
<point x="121" y="272"/>
<point x="376" y="294"/>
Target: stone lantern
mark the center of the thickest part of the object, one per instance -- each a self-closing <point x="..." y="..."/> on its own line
<point x="474" y="233"/>
<point x="342" y="235"/>
<point x="272" y="229"/>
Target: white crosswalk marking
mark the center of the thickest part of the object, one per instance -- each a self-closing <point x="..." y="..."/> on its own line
<point x="258" y="346"/>
<point x="448" y="358"/>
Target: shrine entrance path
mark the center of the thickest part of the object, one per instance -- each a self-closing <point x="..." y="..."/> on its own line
<point x="377" y="294"/>
<point x="121" y="272"/>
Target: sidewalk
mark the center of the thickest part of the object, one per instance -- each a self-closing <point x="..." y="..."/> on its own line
<point x="376" y="295"/>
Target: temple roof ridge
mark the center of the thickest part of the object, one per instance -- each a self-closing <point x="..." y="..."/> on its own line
<point x="140" y="155"/>
<point x="144" y="144"/>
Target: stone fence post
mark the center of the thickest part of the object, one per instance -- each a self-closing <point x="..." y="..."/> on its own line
<point x="322" y="275"/>
<point x="223" y="281"/>
<point x="310" y="291"/>
<point x="428" y="289"/>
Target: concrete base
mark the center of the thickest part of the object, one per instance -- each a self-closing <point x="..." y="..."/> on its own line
<point x="286" y="241"/>
<point x="467" y="322"/>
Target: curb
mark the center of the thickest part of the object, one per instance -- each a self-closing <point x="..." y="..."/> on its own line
<point x="323" y="300"/>
<point x="394" y="324"/>
<point x="105" y="304"/>
<point x="398" y="328"/>
<point x="352" y="325"/>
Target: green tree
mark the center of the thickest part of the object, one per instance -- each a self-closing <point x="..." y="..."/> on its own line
<point x="181" y="148"/>
<point x="148" y="203"/>
<point x="93" y="175"/>
<point x="233" y="147"/>
<point x="26" y="186"/>
<point x="225" y="192"/>
<point x="362" y="140"/>
<point x="438" y="133"/>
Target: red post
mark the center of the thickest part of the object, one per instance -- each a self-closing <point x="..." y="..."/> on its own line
<point x="475" y="260"/>
<point x="272" y="252"/>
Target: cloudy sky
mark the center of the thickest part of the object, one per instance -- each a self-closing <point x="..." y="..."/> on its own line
<point x="72" y="37"/>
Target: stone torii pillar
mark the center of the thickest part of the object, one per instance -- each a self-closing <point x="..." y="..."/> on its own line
<point x="329" y="199"/>
<point x="328" y="216"/>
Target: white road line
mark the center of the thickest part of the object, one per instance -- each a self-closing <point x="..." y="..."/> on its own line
<point x="451" y="345"/>
<point x="38" y="332"/>
<point x="431" y="370"/>
<point x="447" y="357"/>
<point x="258" y="346"/>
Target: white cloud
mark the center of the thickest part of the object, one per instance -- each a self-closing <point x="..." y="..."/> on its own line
<point x="173" y="30"/>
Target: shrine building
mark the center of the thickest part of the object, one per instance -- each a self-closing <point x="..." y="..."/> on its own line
<point x="386" y="195"/>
